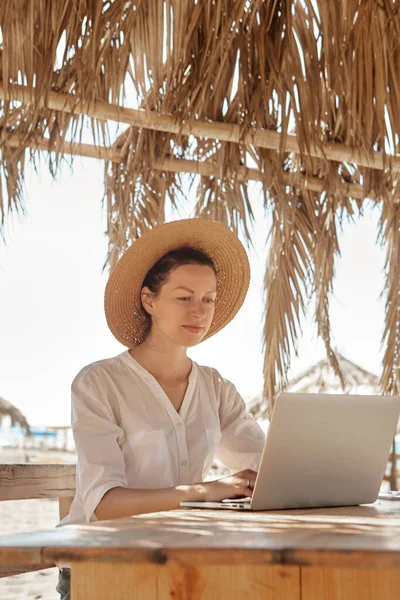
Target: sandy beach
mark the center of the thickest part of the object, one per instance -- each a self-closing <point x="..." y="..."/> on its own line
<point x="20" y="516"/>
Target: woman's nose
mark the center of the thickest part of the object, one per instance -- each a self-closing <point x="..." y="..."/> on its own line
<point x="198" y="310"/>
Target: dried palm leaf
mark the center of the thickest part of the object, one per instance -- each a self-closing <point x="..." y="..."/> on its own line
<point x="325" y="250"/>
<point x="287" y="281"/>
<point x="390" y="236"/>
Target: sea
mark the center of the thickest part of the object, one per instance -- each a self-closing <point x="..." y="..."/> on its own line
<point x="41" y="437"/>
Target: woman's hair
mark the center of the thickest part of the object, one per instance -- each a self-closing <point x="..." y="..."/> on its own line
<point x="159" y="273"/>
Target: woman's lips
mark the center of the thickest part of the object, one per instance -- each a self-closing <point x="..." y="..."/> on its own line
<point x="192" y="329"/>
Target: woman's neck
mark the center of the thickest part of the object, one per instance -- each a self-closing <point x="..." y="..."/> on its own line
<point x="163" y="361"/>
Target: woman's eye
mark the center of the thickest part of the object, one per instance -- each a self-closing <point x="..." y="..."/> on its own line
<point x="207" y="300"/>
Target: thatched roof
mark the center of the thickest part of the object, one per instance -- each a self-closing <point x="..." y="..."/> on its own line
<point x="16" y="416"/>
<point x="322" y="379"/>
<point x="302" y="96"/>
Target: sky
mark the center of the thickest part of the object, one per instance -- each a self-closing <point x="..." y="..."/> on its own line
<point x="52" y="289"/>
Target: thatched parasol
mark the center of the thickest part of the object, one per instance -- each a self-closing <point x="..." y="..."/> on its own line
<point x="8" y="409"/>
<point x="301" y="96"/>
<point x="321" y="378"/>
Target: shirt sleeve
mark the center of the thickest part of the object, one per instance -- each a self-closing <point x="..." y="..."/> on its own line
<point x="100" y="462"/>
<point x="242" y="441"/>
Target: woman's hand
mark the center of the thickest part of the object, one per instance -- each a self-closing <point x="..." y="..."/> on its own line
<point x="239" y="485"/>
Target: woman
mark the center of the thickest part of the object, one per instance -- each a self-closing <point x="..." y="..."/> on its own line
<point x="148" y="422"/>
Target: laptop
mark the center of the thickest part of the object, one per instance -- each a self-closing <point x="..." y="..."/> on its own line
<point x="321" y="450"/>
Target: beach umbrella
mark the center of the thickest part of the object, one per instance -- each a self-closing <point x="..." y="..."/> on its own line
<point x="17" y="418"/>
<point x="300" y="97"/>
<point x="322" y="379"/>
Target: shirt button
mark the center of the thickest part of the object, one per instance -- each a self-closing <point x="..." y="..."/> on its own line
<point x="179" y="425"/>
<point x="184" y="463"/>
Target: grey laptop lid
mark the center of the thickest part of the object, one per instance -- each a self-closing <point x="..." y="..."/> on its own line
<point x="325" y="450"/>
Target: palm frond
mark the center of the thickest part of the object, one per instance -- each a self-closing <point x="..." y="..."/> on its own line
<point x="287" y="285"/>
<point x="325" y="250"/>
<point x="390" y="235"/>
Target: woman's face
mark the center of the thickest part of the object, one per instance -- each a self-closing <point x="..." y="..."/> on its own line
<point x="183" y="309"/>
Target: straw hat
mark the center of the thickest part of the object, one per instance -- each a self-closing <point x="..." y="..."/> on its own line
<point x="122" y="303"/>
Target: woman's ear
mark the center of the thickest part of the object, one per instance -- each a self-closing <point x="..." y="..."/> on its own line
<point x="147" y="297"/>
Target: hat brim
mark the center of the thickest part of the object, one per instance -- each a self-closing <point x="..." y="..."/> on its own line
<point x="122" y="303"/>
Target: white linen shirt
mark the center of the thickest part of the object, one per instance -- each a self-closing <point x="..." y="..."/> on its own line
<point x="128" y="434"/>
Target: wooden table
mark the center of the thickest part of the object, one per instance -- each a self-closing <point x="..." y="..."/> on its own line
<point x="315" y="554"/>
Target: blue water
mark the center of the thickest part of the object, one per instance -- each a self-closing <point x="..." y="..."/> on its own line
<point x="13" y="436"/>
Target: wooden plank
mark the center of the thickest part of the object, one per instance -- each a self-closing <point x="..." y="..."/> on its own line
<point x="180" y="165"/>
<point x="18" y="482"/>
<point x="228" y="556"/>
<point x="8" y="570"/>
<point x="342" y="558"/>
<point x="303" y="537"/>
<point x="183" y="582"/>
<point x="227" y="132"/>
<point x="23" y="555"/>
<point x="74" y="148"/>
<point x="349" y="584"/>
